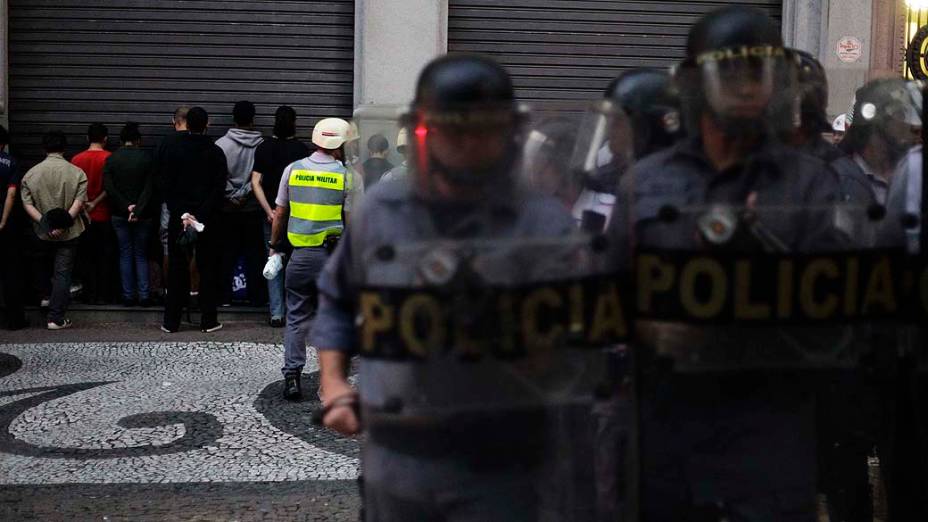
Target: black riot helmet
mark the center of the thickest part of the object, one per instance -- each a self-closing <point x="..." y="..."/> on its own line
<point x="463" y="122"/>
<point x="813" y="92"/>
<point x="888" y="109"/>
<point x="731" y="28"/>
<point x="651" y="104"/>
<point x="738" y="72"/>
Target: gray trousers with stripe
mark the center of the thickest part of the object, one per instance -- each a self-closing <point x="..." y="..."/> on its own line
<point x="302" y="271"/>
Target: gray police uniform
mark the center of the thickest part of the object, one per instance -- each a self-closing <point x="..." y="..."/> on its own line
<point x="398" y="172"/>
<point x="879" y="185"/>
<point x="905" y="197"/>
<point x="743" y="438"/>
<point x="304" y="266"/>
<point x="855" y="186"/>
<point x="431" y="459"/>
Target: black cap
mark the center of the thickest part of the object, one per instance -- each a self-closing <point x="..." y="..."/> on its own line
<point x="58" y="219"/>
<point x="731" y="27"/>
<point x="462" y="81"/>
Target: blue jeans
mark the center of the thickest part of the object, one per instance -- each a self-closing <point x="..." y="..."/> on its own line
<point x="133" y="239"/>
<point x="276" y="292"/>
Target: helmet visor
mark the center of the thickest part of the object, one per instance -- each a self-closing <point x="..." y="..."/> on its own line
<point x="741" y="83"/>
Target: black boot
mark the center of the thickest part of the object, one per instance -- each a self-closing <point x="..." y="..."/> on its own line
<point x="292" y="387"/>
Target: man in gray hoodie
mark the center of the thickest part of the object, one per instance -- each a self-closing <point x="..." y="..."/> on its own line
<point x="242" y="217"/>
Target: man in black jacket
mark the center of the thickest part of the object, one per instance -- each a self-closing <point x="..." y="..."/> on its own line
<point x="195" y="172"/>
<point x="179" y="122"/>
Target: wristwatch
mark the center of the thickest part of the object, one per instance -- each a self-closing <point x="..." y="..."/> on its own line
<point x="273" y="246"/>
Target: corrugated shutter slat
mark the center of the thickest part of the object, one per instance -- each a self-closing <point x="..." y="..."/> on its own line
<point x="563" y="50"/>
<point x="73" y="62"/>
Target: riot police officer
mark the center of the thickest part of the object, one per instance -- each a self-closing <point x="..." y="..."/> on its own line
<point x="725" y="427"/>
<point x="647" y="101"/>
<point x="653" y="107"/>
<point x="886" y="125"/>
<point x="903" y="454"/>
<point x="845" y="408"/>
<point x="446" y="438"/>
<point x="813" y="99"/>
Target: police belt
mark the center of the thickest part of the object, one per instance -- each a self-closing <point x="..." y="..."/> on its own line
<point x="501" y="438"/>
<point x="329" y="244"/>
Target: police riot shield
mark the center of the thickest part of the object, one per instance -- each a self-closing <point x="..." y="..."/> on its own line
<point x="381" y="143"/>
<point x="484" y="317"/>
<point x="602" y="152"/>
<point x="755" y="311"/>
<point x="901" y="448"/>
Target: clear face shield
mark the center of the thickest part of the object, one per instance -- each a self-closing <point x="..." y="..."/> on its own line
<point x="747" y="88"/>
<point x="604" y="139"/>
<point x="602" y="151"/>
<point x="904" y="117"/>
<point x="467" y="147"/>
<point x="381" y="144"/>
<point x="545" y="165"/>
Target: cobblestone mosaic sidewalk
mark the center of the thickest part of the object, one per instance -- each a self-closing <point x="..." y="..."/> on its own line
<point x="162" y="430"/>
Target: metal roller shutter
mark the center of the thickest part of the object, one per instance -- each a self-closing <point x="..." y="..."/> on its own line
<point x="73" y="62"/>
<point x="570" y="49"/>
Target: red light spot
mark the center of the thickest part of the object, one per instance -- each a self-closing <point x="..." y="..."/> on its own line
<point x="421" y="131"/>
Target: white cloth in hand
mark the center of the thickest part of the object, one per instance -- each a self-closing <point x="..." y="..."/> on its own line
<point x="199" y="227"/>
<point x="273" y="267"/>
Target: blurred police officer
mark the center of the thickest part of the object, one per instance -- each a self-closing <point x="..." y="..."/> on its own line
<point x="311" y="208"/>
<point x="646" y="100"/>
<point x="721" y="435"/>
<point x="813" y="96"/>
<point x="445" y="440"/>
<point x="902" y="450"/>
<point x="400" y="171"/>
<point x="845" y="406"/>
<point x="886" y="125"/>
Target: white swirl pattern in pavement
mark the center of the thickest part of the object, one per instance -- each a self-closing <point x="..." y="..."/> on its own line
<point x="157" y="412"/>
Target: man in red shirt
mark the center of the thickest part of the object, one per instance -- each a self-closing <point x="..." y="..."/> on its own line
<point x="95" y="260"/>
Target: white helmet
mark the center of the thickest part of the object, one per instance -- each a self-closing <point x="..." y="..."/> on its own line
<point x="840" y="123"/>
<point x="402" y="139"/>
<point x="331" y="133"/>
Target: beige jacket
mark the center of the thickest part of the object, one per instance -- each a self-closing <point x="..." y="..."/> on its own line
<point x="55" y="183"/>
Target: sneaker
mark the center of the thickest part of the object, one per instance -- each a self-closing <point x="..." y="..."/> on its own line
<point x="44" y="303"/>
<point x="292" y="388"/>
<point x="276" y="322"/>
<point x="215" y="328"/>
<point x="76" y="288"/>
<point x="52" y="325"/>
<point x="167" y="330"/>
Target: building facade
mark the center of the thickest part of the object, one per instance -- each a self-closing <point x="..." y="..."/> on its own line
<point x="71" y="62"/>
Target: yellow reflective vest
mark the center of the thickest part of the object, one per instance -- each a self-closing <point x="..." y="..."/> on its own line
<point x="317" y="194"/>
